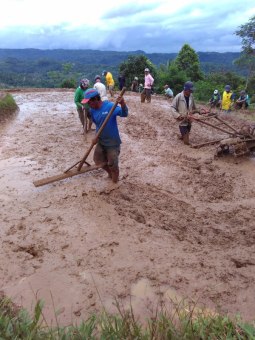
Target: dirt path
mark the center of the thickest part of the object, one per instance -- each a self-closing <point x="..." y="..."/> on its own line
<point x="180" y="224"/>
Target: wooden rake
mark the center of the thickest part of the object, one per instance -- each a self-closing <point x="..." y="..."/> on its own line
<point x="78" y="168"/>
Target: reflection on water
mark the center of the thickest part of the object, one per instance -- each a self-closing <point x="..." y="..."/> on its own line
<point x="143" y="290"/>
<point x="148" y="300"/>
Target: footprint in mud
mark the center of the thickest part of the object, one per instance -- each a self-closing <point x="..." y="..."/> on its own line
<point x="152" y="207"/>
<point x="36" y="251"/>
<point x="15" y="228"/>
<point x="137" y="129"/>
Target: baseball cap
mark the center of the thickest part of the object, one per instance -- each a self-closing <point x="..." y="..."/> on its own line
<point x="104" y="72"/>
<point x="136" y="78"/>
<point x="97" y="77"/>
<point x="146" y="70"/>
<point x="215" y="92"/>
<point x="227" y="87"/>
<point x="188" y="86"/>
<point x="89" y="93"/>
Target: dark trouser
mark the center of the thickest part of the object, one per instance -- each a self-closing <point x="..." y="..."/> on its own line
<point x="110" y="156"/>
<point x="146" y="94"/>
<point x="185" y="128"/>
<point x="81" y="113"/>
<point x="215" y="104"/>
<point x="241" y="105"/>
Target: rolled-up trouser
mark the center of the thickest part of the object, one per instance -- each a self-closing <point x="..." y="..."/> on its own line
<point x="111" y="89"/>
<point x="81" y="115"/>
<point x="108" y="155"/>
<point x="146" y="94"/>
<point x="185" y="128"/>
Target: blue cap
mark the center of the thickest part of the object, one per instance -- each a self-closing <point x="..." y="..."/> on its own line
<point x="188" y="86"/>
<point x="89" y="93"/>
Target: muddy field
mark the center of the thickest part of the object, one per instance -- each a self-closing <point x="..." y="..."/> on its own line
<point x="180" y="223"/>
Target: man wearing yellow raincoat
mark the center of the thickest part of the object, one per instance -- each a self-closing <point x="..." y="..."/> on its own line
<point x="227" y="99"/>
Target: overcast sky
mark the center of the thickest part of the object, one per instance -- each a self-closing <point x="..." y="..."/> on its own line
<point x="148" y="25"/>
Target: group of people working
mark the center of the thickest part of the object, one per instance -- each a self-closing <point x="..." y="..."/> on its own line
<point x="228" y="100"/>
<point x="183" y="103"/>
<point x="94" y="102"/>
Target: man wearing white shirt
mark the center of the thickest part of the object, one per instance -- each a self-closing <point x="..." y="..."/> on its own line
<point x="100" y="87"/>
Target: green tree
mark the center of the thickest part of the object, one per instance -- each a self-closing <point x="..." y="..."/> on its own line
<point x="247" y="33"/>
<point x="218" y="80"/>
<point x="64" y="77"/>
<point x="247" y="60"/>
<point x="134" y="67"/>
<point x="55" y="78"/>
<point x="171" y="75"/>
<point x="68" y="84"/>
<point x="187" y="60"/>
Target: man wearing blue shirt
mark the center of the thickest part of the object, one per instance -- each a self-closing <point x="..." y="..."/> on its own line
<point x="108" y="144"/>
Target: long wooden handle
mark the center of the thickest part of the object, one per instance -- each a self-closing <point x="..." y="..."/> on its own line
<point x="110" y="113"/>
<point x="85" y="121"/>
<point x="101" y="128"/>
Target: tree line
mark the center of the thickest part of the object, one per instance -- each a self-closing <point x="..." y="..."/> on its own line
<point x="64" y="68"/>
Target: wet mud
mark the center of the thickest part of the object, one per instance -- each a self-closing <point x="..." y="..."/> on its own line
<point x="179" y="225"/>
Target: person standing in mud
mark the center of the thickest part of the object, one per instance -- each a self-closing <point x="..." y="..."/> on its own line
<point x="78" y="97"/>
<point x="122" y="81"/>
<point x="134" y="85"/>
<point x="148" y="83"/>
<point x="100" y="87"/>
<point x="227" y="99"/>
<point x="182" y="104"/>
<point x="109" y="82"/>
<point x="108" y="144"/>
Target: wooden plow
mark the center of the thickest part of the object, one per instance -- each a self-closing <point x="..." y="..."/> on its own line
<point x="79" y="167"/>
<point x="239" y="141"/>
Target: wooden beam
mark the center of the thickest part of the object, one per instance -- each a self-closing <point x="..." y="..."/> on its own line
<point x="64" y="175"/>
<point x="197" y="146"/>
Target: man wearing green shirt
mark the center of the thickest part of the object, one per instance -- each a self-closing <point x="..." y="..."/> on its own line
<point x="82" y="109"/>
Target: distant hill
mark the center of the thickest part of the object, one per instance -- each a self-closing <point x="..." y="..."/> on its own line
<point x="109" y="57"/>
<point x="31" y="67"/>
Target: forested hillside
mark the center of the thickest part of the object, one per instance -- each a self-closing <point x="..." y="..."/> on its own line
<point x="41" y="68"/>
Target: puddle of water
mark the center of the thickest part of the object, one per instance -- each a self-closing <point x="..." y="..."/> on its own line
<point x="14" y="177"/>
<point x="50" y="287"/>
<point x="147" y="301"/>
<point x="29" y="105"/>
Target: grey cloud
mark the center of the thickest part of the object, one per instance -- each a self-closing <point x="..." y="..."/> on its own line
<point x="209" y="32"/>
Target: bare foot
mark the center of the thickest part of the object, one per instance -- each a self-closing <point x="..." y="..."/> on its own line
<point x="110" y="187"/>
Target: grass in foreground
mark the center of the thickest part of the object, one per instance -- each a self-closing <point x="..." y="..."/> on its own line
<point x="182" y="323"/>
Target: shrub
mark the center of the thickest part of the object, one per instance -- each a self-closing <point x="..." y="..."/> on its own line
<point x="68" y="84"/>
<point x="7" y="104"/>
